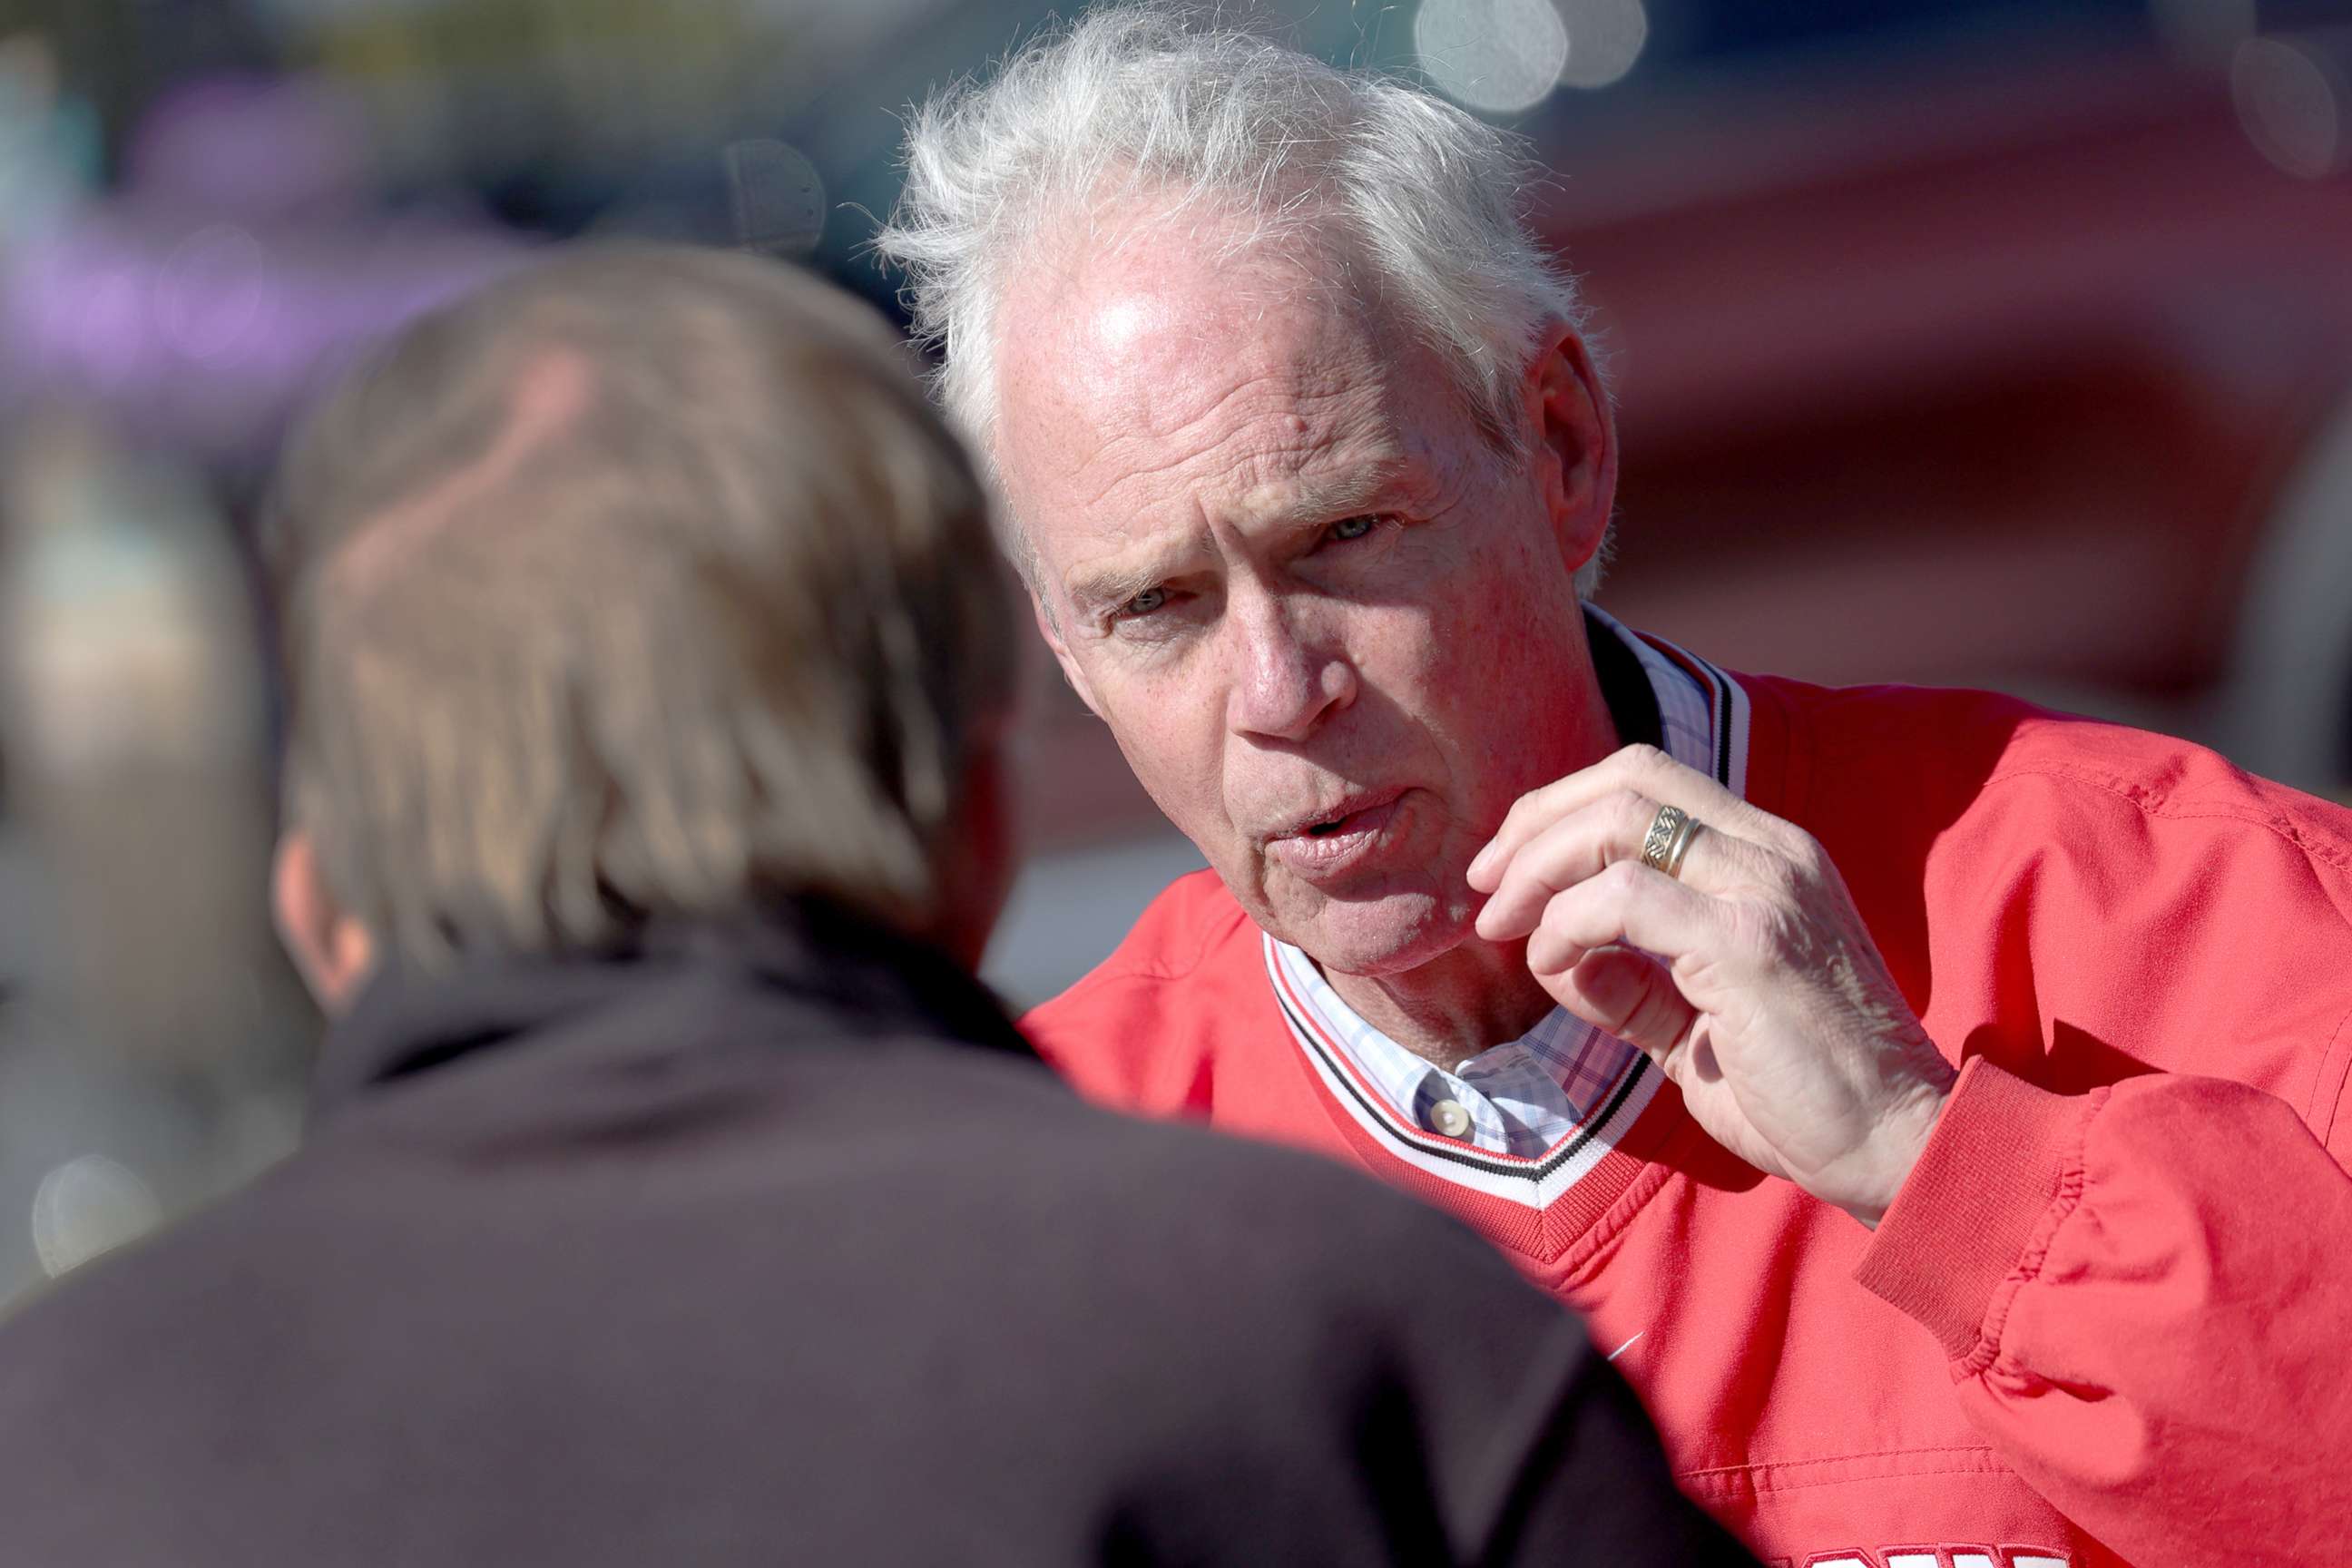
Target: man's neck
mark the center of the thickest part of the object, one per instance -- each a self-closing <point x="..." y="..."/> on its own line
<point x="1479" y="996"/>
<point x="1453" y="1008"/>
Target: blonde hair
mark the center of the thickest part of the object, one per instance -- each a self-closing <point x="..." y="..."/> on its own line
<point x="643" y="583"/>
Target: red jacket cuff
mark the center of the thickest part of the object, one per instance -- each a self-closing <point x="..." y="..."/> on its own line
<point x="2002" y="1155"/>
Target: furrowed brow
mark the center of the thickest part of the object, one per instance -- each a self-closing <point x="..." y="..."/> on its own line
<point x="1094" y="589"/>
<point x="1363" y="488"/>
<point x="1316" y="500"/>
<point x="1342" y="495"/>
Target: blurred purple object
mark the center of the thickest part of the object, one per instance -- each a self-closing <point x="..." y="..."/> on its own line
<point x="203" y="333"/>
<point x="250" y="146"/>
<point x="239" y="261"/>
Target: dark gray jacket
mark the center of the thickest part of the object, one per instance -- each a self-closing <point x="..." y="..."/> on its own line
<point x="777" y="1246"/>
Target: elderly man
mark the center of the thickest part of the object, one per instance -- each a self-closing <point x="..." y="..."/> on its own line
<point x="675" y="1196"/>
<point x="1679" y="985"/>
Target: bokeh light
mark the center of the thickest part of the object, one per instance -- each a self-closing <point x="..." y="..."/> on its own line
<point x="89" y="1205"/>
<point x="1604" y="40"/>
<point x="212" y="291"/>
<point x="2291" y="100"/>
<point x="1498" y="56"/>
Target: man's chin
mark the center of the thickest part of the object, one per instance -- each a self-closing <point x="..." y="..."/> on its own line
<point x="1382" y="936"/>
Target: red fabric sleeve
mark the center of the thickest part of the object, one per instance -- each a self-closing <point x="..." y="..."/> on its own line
<point x="2146" y="1294"/>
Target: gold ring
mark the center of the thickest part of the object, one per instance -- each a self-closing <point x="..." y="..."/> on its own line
<point x="1669" y="840"/>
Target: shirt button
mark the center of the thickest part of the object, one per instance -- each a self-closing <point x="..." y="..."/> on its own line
<point x="1448" y="1117"/>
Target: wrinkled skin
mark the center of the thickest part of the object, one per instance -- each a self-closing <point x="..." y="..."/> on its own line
<point x="1278" y="558"/>
<point x="1748" y="976"/>
<point x="1276" y="554"/>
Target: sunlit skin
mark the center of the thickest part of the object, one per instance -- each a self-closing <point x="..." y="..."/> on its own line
<point x="1279" y="559"/>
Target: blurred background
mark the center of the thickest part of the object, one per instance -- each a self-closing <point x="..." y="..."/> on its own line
<point x="1955" y="341"/>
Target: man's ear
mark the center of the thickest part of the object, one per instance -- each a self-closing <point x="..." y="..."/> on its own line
<point x="1576" y="442"/>
<point x="1070" y="670"/>
<point x="332" y="951"/>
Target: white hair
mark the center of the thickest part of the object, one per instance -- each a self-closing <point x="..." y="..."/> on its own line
<point x="1147" y="99"/>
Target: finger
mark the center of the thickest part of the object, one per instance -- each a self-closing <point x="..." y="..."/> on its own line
<point x="1640" y="770"/>
<point x="1590" y="840"/>
<point x="1628" y="905"/>
<point x="1631" y="995"/>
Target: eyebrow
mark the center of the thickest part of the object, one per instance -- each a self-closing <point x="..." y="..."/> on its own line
<point x="1100" y="588"/>
<point x="1321" y="499"/>
<point x="1349" y="494"/>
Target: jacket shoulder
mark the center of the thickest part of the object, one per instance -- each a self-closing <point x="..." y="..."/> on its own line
<point x="1188" y="925"/>
<point x="1137" y="1031"/>
<point x="1992" y="756"/>
<point x="2077" y="896"/>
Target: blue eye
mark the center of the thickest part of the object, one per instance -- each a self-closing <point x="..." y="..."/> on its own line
<point x="1352" y="527"/>
<point x="1143" y="604"/>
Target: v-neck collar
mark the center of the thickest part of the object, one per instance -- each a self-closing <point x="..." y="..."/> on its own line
<point x="1699" y="715"/>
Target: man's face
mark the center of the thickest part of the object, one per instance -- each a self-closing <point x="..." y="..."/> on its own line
<point x="1334" y="632"/>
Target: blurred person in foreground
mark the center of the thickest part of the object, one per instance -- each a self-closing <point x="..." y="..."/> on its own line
<point x="1934" y="1104"/>
<point x="673" y="1194"/>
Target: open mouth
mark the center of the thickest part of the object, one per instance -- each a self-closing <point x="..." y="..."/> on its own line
<point x="1340" y="821"/>
<point x="1337" y="839"/>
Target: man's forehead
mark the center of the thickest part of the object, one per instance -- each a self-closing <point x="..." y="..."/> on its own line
<point x="1157" y="356"/>
<point x="1163" y="322"/>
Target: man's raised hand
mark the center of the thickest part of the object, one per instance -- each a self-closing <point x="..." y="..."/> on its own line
<point x="1750" y="978"/>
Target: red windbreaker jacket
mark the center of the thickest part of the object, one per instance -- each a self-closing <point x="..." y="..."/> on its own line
<point x="2107" y="1319"/>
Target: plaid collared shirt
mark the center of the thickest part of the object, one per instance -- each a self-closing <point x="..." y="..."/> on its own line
<point x="1524" y="1096"/>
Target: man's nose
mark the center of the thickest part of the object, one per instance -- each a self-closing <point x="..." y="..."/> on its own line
<point x="1289" y="679"/>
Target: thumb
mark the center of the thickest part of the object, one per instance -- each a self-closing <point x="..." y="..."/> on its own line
<point x="1632" y="997"/>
